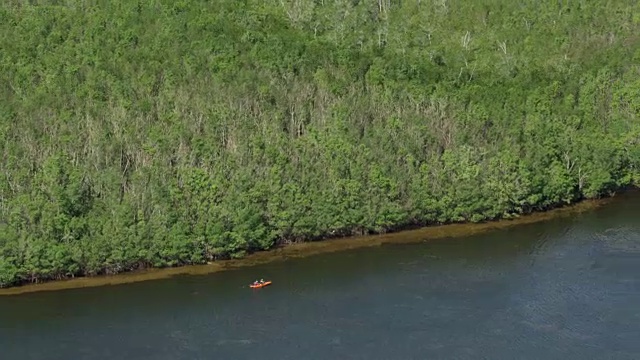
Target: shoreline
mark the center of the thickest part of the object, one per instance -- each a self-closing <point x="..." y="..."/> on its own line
<point x="310" y="248"/>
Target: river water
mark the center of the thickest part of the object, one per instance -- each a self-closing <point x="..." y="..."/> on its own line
<point x="567" y="288"/>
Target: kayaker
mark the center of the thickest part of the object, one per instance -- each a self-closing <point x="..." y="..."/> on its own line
<point x="261" y="281"/>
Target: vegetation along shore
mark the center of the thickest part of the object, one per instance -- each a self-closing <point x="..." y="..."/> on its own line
<point x="154" y="134"/>
<point x="311" y="248"/>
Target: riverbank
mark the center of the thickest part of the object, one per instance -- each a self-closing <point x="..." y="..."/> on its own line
<point x="304" y="249"/>
<point x="228" y="142"/>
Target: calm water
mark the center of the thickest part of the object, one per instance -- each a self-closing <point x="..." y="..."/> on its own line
<point x="564" y="289"/>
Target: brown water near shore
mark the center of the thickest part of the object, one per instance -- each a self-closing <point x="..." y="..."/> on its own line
<point x="304" y="249"/>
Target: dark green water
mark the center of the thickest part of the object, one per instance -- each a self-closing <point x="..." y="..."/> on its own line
<point x="564" y="289"/>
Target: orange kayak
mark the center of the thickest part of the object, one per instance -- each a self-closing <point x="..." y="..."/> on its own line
<point x="256" y="286"/>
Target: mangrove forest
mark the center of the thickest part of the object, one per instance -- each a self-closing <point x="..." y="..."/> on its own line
<point x="158" y="133"/>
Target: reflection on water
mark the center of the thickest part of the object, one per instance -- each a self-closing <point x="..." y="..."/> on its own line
<point x="563" y="289"/>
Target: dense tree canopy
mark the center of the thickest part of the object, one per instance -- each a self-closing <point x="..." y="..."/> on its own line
<point x="162" y="132"/>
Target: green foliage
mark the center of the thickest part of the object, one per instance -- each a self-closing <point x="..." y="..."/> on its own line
<point x="147" y="134"/>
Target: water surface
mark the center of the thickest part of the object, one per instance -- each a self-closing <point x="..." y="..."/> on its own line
<point x="568" y="288"/>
